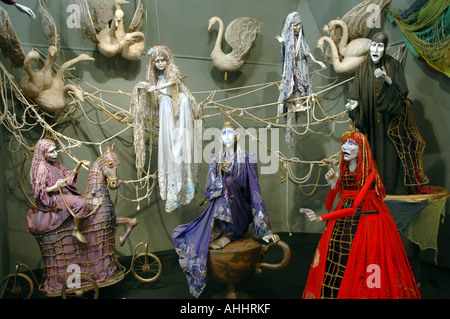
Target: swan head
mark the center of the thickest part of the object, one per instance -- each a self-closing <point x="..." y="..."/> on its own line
<point x="32" y="56"/>
<point x="76" y="91"/>
<point x="320" y="43"/>
<point x="52" y="51"/>
<point x="212" y="22"/>
<point x="118" y="16"/>
<point x="133" y="37"/>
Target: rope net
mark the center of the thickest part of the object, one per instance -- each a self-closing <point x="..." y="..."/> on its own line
<point x="20" y="115"/>
<point x="97" y="259"/>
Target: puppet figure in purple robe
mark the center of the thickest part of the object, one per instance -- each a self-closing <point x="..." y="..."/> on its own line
<point x="54" y="191"/>
<point x="235" y="201"/>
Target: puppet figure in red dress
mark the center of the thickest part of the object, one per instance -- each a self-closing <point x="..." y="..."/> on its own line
<point x="360" y="254"/>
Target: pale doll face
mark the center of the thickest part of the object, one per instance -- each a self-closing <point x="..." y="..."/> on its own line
<point x="160" y="63"/>
<point x="228" y="137"/>
<point x="297" y="27"/>
<point x="350" y="150"/>
<point x="376" y="51"/>
<point x="51" y="154"/>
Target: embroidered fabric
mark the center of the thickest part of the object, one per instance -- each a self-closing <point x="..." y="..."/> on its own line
<point x="235" y="202"/>
<point x="175" y="149"/>
<point x="340" y="243"/>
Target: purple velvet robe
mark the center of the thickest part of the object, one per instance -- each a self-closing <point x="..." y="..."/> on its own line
<point x="39" y="222"/>
<point x="235" y="202"/>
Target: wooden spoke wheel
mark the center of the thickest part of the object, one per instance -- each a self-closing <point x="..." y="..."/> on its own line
<point x="146" y="267"/>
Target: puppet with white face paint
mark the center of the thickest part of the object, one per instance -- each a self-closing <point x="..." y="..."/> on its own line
<point x="378" y="95"/>
<point x="360" y="236"/>
<point x="235" y="201"/>
<point x="50" y="182"/>
<point x="295" y="81"/>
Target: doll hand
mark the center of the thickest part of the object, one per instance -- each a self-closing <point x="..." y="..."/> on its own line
<point x="331" y="177"/>
<point x="274" y="237"/>
<point x="311" y="215"/>
<point x="321" y="64"/>
<point x="142" y="85"/>
<point x="379" y="72"/>
<point x="25" y="10"/>
<point x="351" y="105"/>
<point x="382" y="73"/>
<point x="61" y="183"/>
<point x="152" y="88"/>
<point x="279" y="39"/>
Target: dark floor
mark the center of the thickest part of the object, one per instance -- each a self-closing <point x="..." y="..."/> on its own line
<point x="287" y="283"/>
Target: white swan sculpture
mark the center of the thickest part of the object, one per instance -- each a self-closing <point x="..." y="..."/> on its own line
<point x="54" y="99"/>
<point x="112" y="40"/>
<point x="353" y="53"/>
<point x="35" y="81"/>
<point x="240" y="35"/>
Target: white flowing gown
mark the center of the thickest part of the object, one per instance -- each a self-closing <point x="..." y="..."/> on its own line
<point x="175" y="149"/>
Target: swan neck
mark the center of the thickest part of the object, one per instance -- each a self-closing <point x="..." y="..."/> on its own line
<point x="334" y="50"/>
<point x="218" y="44"/>
<point x="344" y="38"/>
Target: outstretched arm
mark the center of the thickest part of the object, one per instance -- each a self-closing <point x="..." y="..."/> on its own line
<point x="318" y="62"/>
<point x="21" y="8"/>
<point x="346" y="212"/>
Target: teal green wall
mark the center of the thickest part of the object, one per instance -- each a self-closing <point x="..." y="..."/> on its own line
<point x="182" y="26"/>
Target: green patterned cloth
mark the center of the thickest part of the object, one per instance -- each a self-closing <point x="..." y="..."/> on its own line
<point x="426" y="33"/>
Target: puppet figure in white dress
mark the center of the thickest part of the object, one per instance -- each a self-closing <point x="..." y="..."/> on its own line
<point x="172" y="101"/>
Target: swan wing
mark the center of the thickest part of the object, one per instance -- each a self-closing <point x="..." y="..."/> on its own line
<point x="49" y="25"/>
<point x="86" y="20"/>
<point x="138" y="17"/>
<point x="358" y="17"/>
<point x="241" y="33"/>
<point x="9" y="41"/>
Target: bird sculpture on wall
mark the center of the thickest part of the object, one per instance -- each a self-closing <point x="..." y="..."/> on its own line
<point x="54" y="98"/>
<point x="37" y="80"/>
<point x="48" y="91"/>
<point x="112" y="39"/>
<point x="346" y="57"/>
<point x="240" y="35"/>
<point x="364" y="15"/>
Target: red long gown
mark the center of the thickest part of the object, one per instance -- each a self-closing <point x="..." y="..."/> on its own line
<point x="360" y="254"/>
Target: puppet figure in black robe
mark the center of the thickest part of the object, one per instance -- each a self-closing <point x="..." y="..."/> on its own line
<point x="378" y="95"/>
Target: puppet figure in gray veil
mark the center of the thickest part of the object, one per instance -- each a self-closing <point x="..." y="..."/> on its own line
<point x="171" y="103"/>
<point x="295" y="82"/>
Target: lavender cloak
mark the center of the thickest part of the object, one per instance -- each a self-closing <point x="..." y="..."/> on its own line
<point x="235" y="202"/>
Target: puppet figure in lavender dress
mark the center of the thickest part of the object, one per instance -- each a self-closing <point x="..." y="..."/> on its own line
<point x="295" y="82"/>
<point x="50" y="182"/>
<point x="235" y="201"/>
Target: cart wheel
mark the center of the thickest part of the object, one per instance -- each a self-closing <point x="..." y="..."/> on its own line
<point x="146" y="267"/>
<point x="88" y="289"/>
<point x="16" y="286"/>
